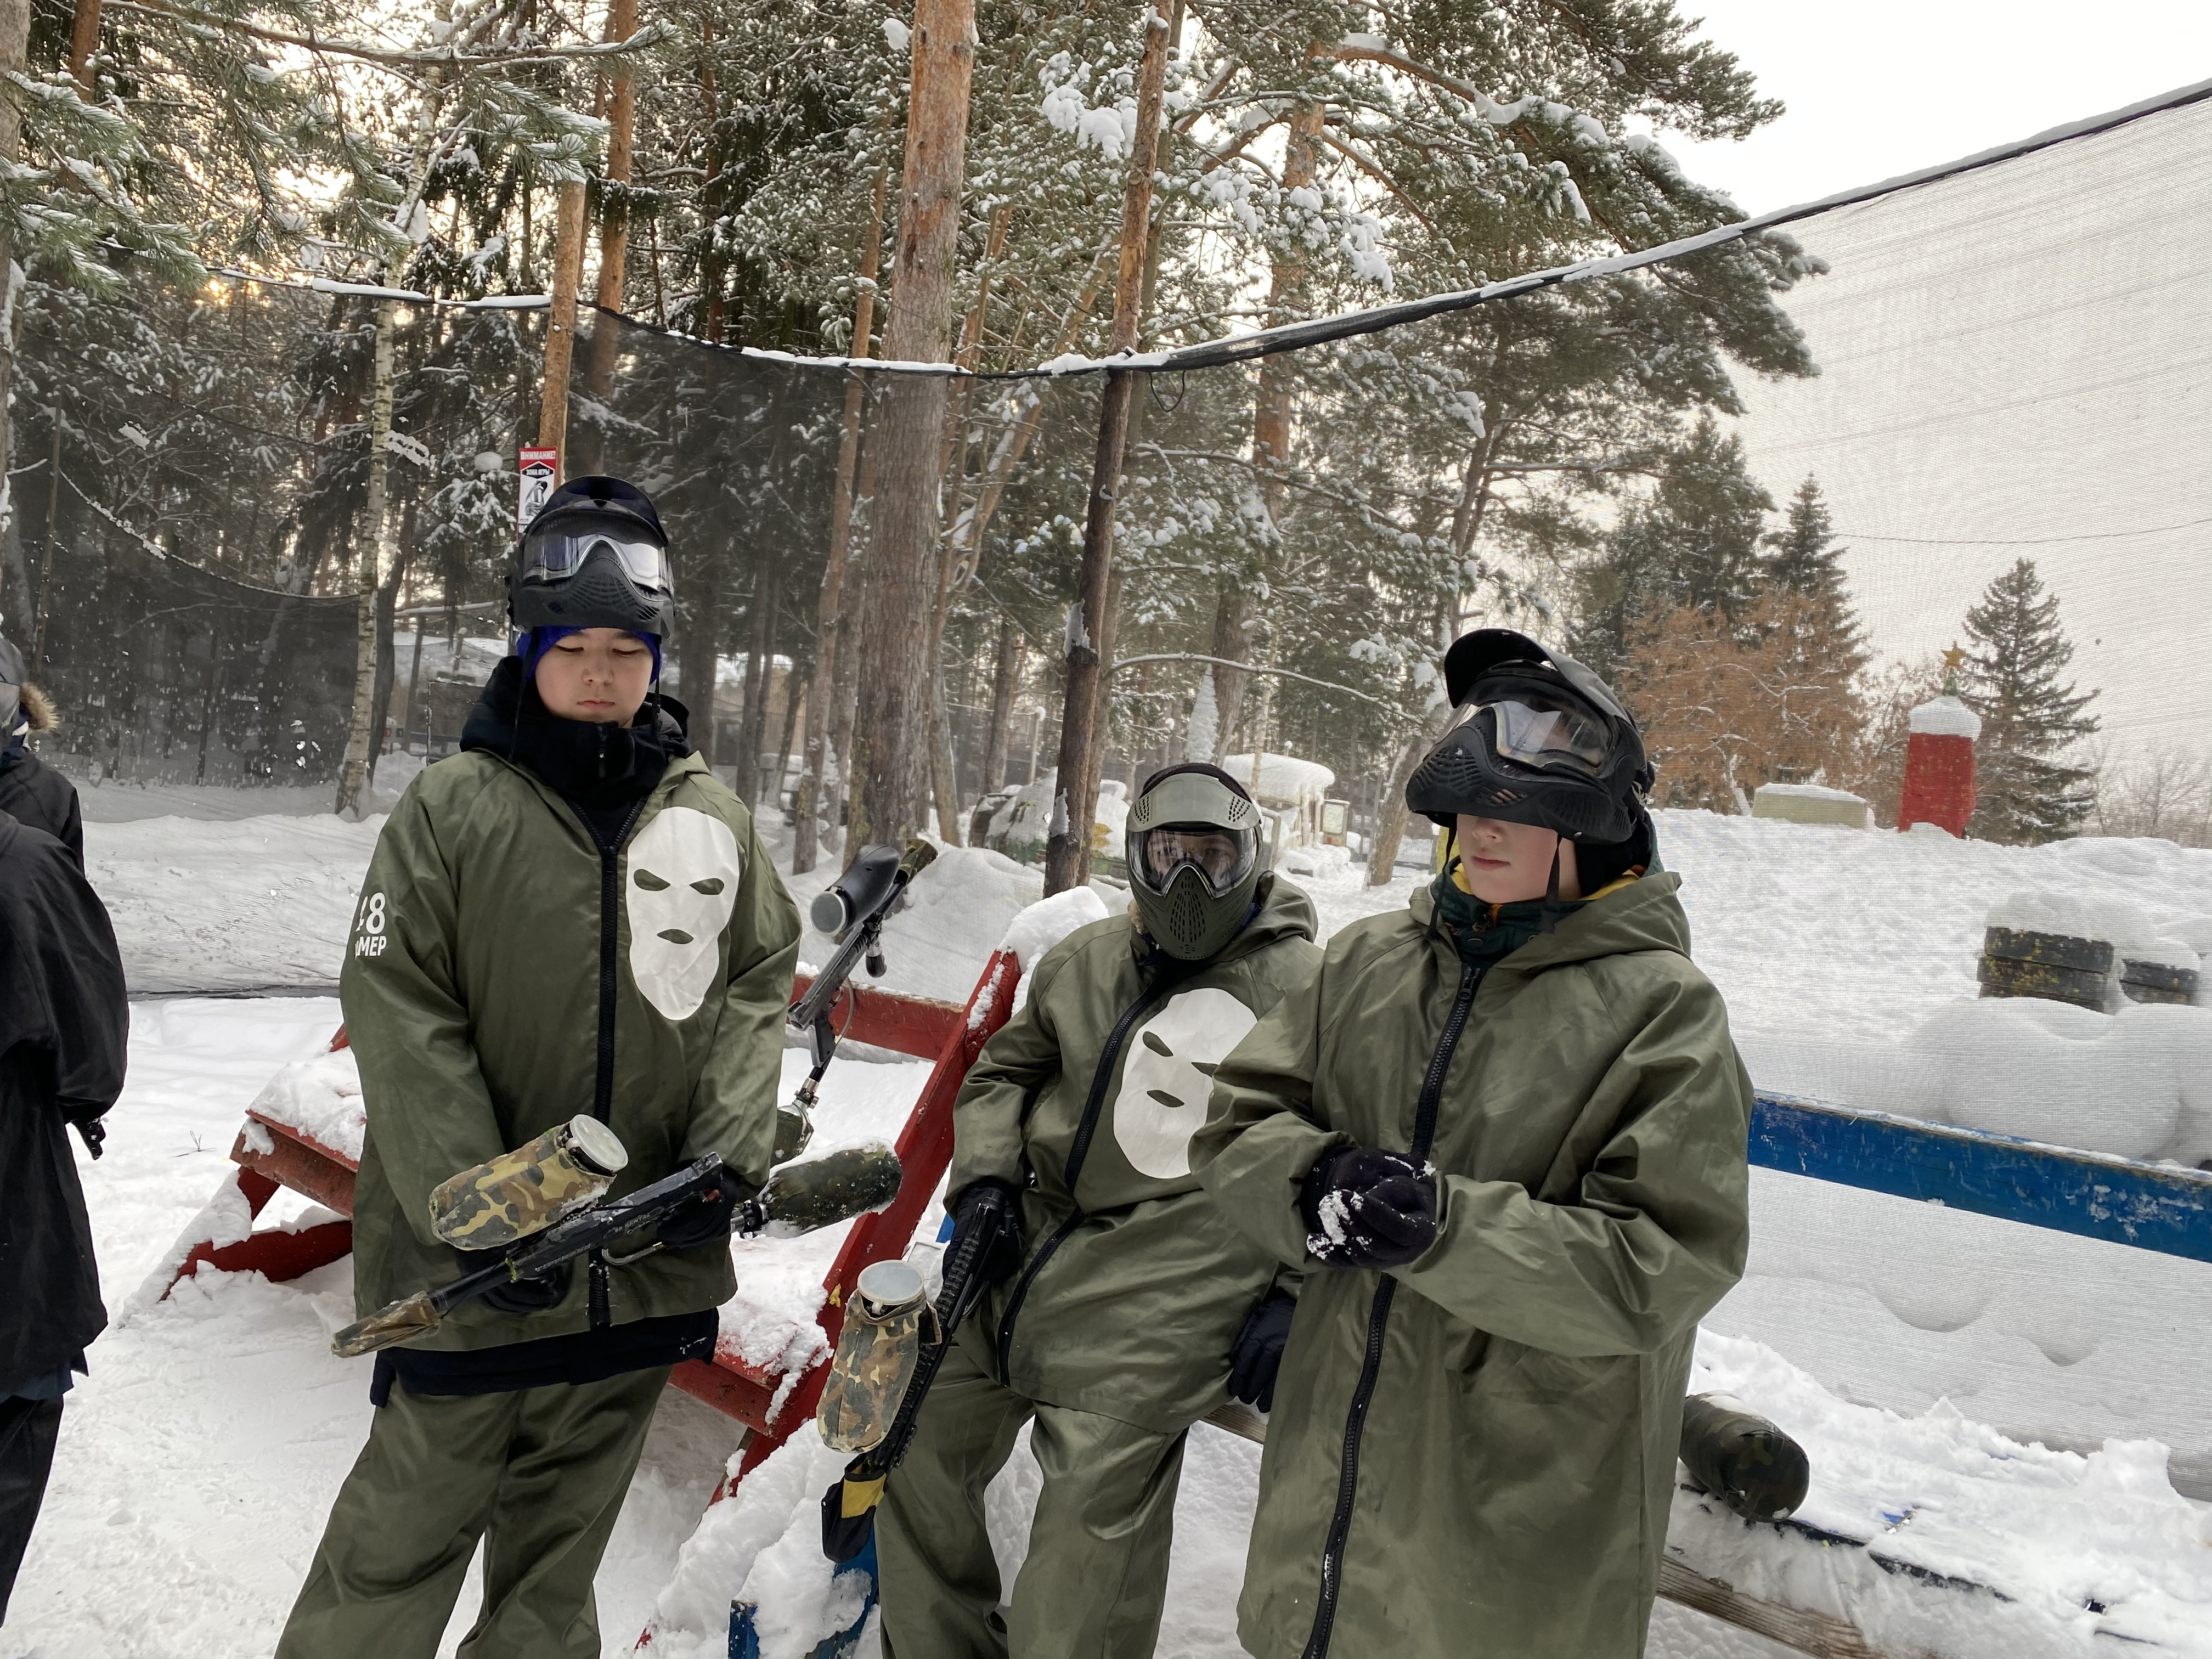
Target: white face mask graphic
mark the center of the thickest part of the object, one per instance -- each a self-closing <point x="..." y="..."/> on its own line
<point x="1168" y="1078"/>
<point x="682" y="886"/>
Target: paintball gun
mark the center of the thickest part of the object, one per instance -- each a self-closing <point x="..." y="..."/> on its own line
<point x="873" y="1397"/>
<point x="816" y="1194"/>
<point x="853" y="911"/>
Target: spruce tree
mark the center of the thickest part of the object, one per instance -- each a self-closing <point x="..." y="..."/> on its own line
<point x="1802" y="556"/>
<point x="1691" y="544"/>
<point x="2031" y="719"/>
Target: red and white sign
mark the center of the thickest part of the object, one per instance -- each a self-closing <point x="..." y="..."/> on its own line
<point x="541" y="472"/>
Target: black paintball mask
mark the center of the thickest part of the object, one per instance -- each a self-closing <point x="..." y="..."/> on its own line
<point x="1536" y="738"/>
<point x="595" y="556"/>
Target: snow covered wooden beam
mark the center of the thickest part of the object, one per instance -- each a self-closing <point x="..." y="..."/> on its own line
<point x="2151" y="1207"/>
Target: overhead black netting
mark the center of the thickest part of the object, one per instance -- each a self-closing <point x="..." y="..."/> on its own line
<point x="2004" y="364"/>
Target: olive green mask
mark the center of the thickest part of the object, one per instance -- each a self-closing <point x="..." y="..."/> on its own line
<point x="1196" y="857"/>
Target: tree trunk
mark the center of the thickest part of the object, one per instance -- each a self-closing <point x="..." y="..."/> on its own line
<point x="890" y="729"/>
<point x="794" y="694"/>
<point x="353" y="770"/>
<point x="388" y="663"/>
<point x="15" y="46"/>
<point x="829" y="625"/>
<point x="699" y="645"/>
<point x="84" y="41"/>
<point x="614" y="234"/>
<point x="760" y="677"/>
<point x="560" y="324"/>
<point x="1390" y="813"/>
<point x="1007" y="675"/>
<point x="1067" y="844"/>
<point x="710" y="265"/>
<point x="1270" y="429"/>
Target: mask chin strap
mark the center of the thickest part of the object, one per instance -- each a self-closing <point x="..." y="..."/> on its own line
<point x="1551" y="913"/>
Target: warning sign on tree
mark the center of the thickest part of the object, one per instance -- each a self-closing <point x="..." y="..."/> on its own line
<point x="541" y="468"/>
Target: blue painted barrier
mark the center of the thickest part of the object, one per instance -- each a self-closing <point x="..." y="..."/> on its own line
<point x="2151" y="1207"/>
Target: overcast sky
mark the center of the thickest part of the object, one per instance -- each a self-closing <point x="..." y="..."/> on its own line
<point x="1877" y="88"/>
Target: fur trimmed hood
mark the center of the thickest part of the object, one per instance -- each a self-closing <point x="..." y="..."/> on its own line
<point x="40" y="711"/>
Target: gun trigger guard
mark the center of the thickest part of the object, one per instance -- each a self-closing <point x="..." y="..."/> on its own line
<point x="613" y="1261"/>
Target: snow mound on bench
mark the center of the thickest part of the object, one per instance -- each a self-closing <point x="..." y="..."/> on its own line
<point x="321" y="1098"/>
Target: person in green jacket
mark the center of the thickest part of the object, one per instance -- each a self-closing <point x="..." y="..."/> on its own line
<point x="1135" y="1309"/>
<point x="1504" y="1129"/>
<point x="570" y="916"/>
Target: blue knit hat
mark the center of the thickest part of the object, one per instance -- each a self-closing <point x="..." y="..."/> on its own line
<point x="533" y="643"/>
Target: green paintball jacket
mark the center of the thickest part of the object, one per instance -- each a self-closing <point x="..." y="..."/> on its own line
<point x="1481" y="1445"/>
<point x="1133" y="1286"/>
<point x="500" y="966"/>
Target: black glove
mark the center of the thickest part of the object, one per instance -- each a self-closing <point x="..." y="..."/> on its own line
<point x="990" y="1211"/>
<point x="1365" y="1207"/>
<point x="709" y="1220"/>
<point x="91" y="1131"/>
<point x="1258" y="1354"/>
<point x="535" y="1294"/>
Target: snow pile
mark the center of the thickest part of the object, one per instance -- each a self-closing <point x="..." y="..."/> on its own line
<point x="2045" y="1335"/>
<point x="1282" y="779"/>
<point x="1043" y="925"/>
<point x="2137" y="1083"/>
<point x="2075" y="1547"/>
<point x="1945" y="717"/>
<point x="208" y="906"/>
<point x="1307" y="862"/>
<point x="763" y="1546"/>
<point x="321" y="1098"/>
<point x="1937" y="1497"/>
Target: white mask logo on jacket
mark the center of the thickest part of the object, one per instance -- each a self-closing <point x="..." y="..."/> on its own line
<point x="683" y="872"/>
<point x="1168" y="1078"/>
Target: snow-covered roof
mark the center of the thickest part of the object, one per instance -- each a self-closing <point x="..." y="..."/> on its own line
<point x="1946" y="717"/>
<point x="1283" y="778"/>
<point x="1812" y="792"/>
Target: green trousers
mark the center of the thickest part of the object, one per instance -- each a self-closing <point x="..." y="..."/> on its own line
<point x="539" y="1475"/>
<point x="1097" y="1568"/>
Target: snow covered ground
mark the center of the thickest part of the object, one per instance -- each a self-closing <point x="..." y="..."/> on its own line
<point x="199" y="1458"/>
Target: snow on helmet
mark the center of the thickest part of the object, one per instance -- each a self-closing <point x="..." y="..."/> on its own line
<point x="1195" y="858"/>
<point x="595" y="556"/>
<point x="1539" y="738"/>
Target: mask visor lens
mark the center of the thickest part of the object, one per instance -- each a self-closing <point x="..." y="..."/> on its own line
<point x="11" y="710"/>
<point x="1551" y="740"/>
<point x="1223" y="857"/>
<point x="557" y="555"/>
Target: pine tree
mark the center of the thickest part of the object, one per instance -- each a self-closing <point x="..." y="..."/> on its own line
<point x="1801" y="555"/>
<point x="2030" y="719"/>
<point x="1692" y="545"/>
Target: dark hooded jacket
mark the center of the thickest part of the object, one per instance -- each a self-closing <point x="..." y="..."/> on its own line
<point x="32" y="793"/>
<point x="62" y="1021"/>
